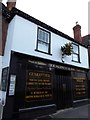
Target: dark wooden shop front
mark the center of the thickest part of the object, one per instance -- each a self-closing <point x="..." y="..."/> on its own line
<point x="42" y="87"/>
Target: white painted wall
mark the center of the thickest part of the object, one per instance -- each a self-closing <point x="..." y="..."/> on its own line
<point x="22" y="38"/>
<point x="7" y="51"/>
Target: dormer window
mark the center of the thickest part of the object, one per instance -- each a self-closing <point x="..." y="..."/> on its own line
<point x="43" y="41"/>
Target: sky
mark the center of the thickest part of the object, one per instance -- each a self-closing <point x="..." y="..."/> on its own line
<point x="60" y="14"/>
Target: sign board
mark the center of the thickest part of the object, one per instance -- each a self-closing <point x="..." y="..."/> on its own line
<point x="80" y="87"/>
<point x="12" y="84"/>
<point x="4" y="81"/>
<point x="38" y="86"/>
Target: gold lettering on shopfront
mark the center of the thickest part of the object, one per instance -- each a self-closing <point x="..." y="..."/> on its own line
<point x="38" y="86"/>
<point x="79" y="86"/>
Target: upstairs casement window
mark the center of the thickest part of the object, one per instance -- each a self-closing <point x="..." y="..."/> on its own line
<point x="76" y="53"/>
<point x="43" y="41"/>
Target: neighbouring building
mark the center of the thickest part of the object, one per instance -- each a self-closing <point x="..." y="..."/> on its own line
<point x="4" y="15"/>
<point x="40" y="80"/>
<point x="86" y="42"/>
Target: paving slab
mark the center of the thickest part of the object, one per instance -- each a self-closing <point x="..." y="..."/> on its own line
<point x="79" y="112"/>
<point x="82" y="112"/>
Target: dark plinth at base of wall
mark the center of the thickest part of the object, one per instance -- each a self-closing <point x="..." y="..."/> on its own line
<point x="33" y="113"/>
<point x="80" y="103"/>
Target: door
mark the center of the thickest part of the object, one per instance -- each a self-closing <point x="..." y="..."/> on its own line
<point x="63" y="89"/>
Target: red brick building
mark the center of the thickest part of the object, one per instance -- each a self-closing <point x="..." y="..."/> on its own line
<point x="86" y="42"/>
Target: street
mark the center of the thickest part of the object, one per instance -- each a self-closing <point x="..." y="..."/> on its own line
<point x="75" y="113"/>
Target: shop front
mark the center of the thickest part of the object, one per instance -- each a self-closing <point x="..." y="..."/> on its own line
<point x="38" y="87"/>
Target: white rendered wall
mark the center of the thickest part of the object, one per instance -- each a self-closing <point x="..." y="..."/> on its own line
<point x="7" y="51"/>
<point x="24" y="38"/>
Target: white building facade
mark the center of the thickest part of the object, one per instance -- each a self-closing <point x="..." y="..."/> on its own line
<point x="38" y="79"/>
<point x="23" y="39"/>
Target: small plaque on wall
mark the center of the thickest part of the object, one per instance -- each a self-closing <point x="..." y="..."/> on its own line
<point x="12" y="84"/>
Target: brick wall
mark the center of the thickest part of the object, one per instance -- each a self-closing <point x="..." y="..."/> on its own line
<point x="0" y="30"/>
<point x="3" y="33"/>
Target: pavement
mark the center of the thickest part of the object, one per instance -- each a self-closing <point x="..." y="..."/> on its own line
<point x="82" y="112"/>
<point x="1" y="110"/>
<point x="2" y="102"/>
<point x="77" y="113"/>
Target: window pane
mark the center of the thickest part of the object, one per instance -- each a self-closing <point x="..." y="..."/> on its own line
<point x="40" y="35"/>
<point x="47" y="37"/>
<point x="75" y="49"/>
<point x="43" y="47"/>
<point x="43" y="39"/>
<point x="75" y="57"/>
<point x="43" y="36"/>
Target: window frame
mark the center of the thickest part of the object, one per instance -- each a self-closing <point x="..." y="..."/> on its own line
<point x="74" y="53"/>
<point x="48" y="43"/>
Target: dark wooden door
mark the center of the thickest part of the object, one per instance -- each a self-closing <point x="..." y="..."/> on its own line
<point x="63" y="90"/>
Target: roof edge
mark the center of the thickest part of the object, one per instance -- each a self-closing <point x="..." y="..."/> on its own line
<point x="15" y="11"/>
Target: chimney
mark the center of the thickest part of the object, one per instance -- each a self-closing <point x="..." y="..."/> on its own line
<point x="77" y="33"/>
<point x="11" y="4"/>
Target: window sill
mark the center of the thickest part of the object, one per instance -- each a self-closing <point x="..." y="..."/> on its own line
<point x="43" y="52"/>
<point x="76" y="61"/>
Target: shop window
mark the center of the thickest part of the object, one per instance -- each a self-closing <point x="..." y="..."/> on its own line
<point x="76" y="53"/>
<point x="43" y="41"/>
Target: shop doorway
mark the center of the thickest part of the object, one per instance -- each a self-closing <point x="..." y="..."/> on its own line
<point x="63" y="89"/>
